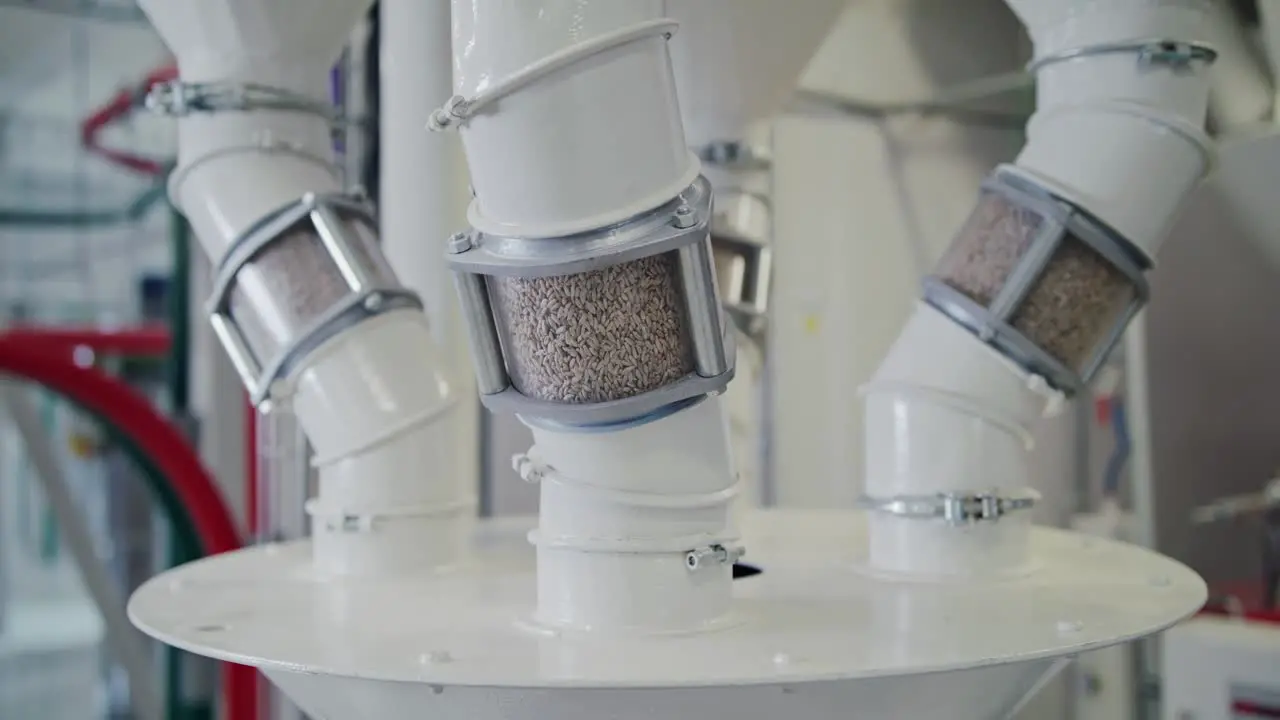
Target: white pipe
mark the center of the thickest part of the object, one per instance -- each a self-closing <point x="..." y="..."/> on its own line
<point x="124" y="643"/>
<point x="1121" y="140"/>
<point x="946" y="414"/>
<point x="569" y="119"/>
<point x="586" y="146"/>
<point x="620" y="511"/>
<point x="423" y="196"/>
<point x="1242" y="93"/>
<point x="368" y="399"/>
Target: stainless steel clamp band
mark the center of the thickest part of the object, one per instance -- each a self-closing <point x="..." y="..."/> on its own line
<point x="956" y="509"/>
<point x="1176" y="55"/>
<point x="178" y="98"/>
<point x="372" y="288"/>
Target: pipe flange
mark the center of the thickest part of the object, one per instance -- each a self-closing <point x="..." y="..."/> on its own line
<point x="1177" y="55"/>
<point x="372" y="289"/>
<point x="955" y="509"/>
<point x="683" y="221"/>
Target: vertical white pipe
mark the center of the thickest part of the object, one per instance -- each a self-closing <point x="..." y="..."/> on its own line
<point x="423" y="192"/>
<point x="619" y="512"/>
<point x="594" y="142"/>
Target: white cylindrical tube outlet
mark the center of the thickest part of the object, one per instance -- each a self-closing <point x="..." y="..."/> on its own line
<point x="957" y="426"/>
<point x="593" y="142"/>
<point x="622" y="509"/>
<point x="1116" y="134"/>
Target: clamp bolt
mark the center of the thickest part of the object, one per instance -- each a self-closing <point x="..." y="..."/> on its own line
<point x="459" y="242"/>
<point x="712" y="555"/>
<point x="685" y="217"/>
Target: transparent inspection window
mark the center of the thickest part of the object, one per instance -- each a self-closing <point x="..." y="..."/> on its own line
<point x="1044" y="282"/>
<point x="596" y="336"/>
<point x="294" y="280"/>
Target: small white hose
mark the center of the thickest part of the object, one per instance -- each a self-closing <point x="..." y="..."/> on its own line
<point x="123" y="641"/>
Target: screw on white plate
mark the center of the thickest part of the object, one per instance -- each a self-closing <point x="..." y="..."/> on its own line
<point x="781" y="659"/>
<point x="435" y="657"/>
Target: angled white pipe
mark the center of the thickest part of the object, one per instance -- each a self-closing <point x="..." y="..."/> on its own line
<point x="571" y="124"/>
<point x="946" y="413"/>
<point x="1121" y="139"/>
<point x="371" y="398"/>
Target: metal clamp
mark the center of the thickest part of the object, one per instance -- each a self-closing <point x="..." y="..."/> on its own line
<point x="1176" y="55"/>
<point x="373" y="290"/>
<point x="1060" y="221"/>
<point x="712" y="556"/>
<point x="177" y="98"/>
<point x="679" y="227"/>
<point x="957" y="509"/>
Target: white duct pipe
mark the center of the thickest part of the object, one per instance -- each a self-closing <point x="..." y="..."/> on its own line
<point x="947" y="414"/>
<point x="1120" y="139"/>
<point x="579" y="149"/>
<point x="369" y="399"/>
<point x="423" y="190"/>
<point x="572" y="124"/>
<point x="618" y="515"/>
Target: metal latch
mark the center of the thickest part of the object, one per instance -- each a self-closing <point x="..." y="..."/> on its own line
<point x="712" y="555"/>
<point x="953" y="508"/>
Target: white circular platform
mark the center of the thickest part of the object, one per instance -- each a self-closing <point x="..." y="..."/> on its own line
<point x="814" y="616"/>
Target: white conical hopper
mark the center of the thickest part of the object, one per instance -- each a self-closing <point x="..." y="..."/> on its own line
<point x="736" y="61"/>
<point x="816" y="635"/>
<point x="1247" y="181"/>
<point x="212" y="38"/>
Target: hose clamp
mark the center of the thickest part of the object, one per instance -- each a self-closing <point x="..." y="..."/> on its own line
<point x="372" y="288"/>
<point x="955" y="509"/>
<point x="1176" y="55"/>
<point x="179" y="99"/>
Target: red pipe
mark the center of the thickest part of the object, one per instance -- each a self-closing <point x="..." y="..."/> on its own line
<point x="1244" y="709"/>
<point x="144" y="341"/>
<point x="134" y="416"/>
<point x="120" y="106"/>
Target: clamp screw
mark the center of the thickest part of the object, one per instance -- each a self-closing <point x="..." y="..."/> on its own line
<point x="373" y="302"/>
<point x="685" y="218"/>
<point x="459" y="242"/>
<point x="717" y="554"/>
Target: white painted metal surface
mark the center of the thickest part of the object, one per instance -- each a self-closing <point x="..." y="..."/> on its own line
<point x="371" y="399"/>
<point x="814" y="632"/>
<point x="619" y="513"/>
<point x="737" y="61"/>
<point x="946" y="413"/>
<point x="1209" y="664"/>
<point x="1245" y="181"/>
<point x="423" y="192"/>
<point x="545" y="157"/>
<point x="1122" y="139"/>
